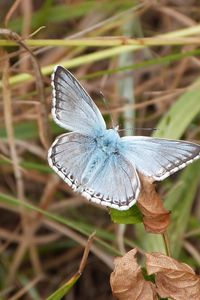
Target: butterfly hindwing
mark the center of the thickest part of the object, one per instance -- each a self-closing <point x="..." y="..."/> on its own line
<point x="115" y="182"/>
<point x="159" y="158"/>
<point x="107" y="180"/>
<point x="69" y="156"/>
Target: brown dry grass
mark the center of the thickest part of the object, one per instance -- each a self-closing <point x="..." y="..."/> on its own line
<point x="40" y="252"/>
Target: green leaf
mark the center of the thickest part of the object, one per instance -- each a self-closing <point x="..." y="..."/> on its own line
<point x="181" y="211"/>
<point x="22" y="130"/>
<point x="59" y="13"/>
<point x="164" y="60"/>
<point x="29" y="130"/>
<point x="77" y="226"/>
<point x="55" y="13"/>
<point x="173" y="125"/>
<point x="130" y="216"/>
<point x="181" y="114"/>
<point x="64" y="289"/>
<point x="28" y="165"/>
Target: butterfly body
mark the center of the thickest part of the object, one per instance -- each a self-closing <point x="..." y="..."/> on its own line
<point x="96" y="161"/>
<point x="108" y="142"/>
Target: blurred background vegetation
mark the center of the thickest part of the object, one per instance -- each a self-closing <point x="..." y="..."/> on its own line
<point x="153" y="83"/>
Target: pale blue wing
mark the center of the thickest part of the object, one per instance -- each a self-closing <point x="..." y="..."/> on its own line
<point x="108" y="180"/>
<point x="113" y="183"/>
<point x="159" y="158"/>
<point x="72" y="108"/>
<point x="69" y="156"/>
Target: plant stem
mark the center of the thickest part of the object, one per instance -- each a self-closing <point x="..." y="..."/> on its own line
<point x="105" y="42"/>
<point x="166" y="243"/>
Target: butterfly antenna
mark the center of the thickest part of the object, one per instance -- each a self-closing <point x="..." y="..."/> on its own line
<point x="107" y="108"/>
<point x="139" y="129"/>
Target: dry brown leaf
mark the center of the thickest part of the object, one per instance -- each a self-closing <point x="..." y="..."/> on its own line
<point x="127" y="281"/>
<point x="155" y="217"/>
<point x="173" y="279"/>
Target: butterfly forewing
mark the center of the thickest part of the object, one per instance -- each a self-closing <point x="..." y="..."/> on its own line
<point x="159" y="158"/>
<point x="72" y="107"/>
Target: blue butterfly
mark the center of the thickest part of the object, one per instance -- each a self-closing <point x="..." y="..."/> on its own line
<point x="95" y="161"/>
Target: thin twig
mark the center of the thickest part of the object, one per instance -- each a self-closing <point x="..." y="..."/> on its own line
<point x="107" y="259"/>
<point x="86" y="252"/>
<point x="192" y="251"/>
<point x="10" y="131"/>
<point x="11" y="12"/>
<point x="18" y="175"/>
<point x="19" y="255"/>
<point x="43" y="120"/>
<point x="121" y="228"/>
<point x="26" y="10"/>
<point x="27" y="287"/>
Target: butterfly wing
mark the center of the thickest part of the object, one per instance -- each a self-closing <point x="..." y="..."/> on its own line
<point x="115" y="183"/>
<point x="69" y="155"/>
<point x="159" y="158"/>
<point x="108" y="180"/>
<point x="72" y="108"/>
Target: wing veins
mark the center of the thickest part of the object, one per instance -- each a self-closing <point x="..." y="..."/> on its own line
<point x="130" y="184"/>
<point x="81" y="90"/>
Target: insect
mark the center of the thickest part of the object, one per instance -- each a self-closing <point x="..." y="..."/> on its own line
<point x="96" y="161"/>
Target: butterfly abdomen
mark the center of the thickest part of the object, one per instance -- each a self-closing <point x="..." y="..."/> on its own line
<point x="106" y="147"/>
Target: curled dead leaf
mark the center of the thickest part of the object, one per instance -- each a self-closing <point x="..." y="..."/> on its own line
<point x="173" y="279"/>
<point x="155" y="217"/>
<point x="127" y="281"/>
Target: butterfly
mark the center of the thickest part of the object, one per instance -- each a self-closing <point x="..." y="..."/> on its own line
<point x="96" y="161"/>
